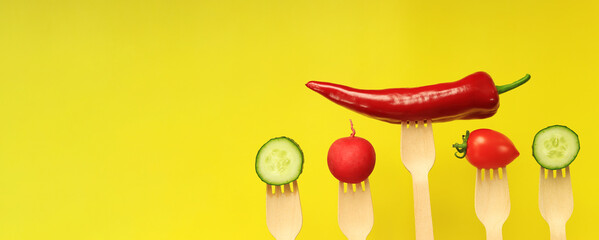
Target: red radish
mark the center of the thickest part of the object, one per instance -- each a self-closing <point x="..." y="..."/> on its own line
<point x="351" y="159"/>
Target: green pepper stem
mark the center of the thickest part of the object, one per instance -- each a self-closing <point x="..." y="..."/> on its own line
<point x="504" y="88"/>
<point x="462" y="147"/>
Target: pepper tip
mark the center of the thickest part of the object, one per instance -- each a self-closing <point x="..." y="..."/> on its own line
<point x="311" y="85"/>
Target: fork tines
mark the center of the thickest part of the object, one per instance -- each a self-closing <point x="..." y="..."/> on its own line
<point x="417" y="150"/>
<point x="356" y="216"/>
<point x="492" y="199"/>
<point x="485" y="174"/>
<point x="556" y="201"/>
<point x="417" y="146"/>
<point x="283" y="211"/>
<point x="282" y="189"/>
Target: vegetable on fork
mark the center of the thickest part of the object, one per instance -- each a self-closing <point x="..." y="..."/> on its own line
<point x="490" y="152"/>
<point x="279" y="163"/>
<point x="351" y="160"/>
<point x="473" y="97"/>
<point x="555" y="148"/>
<point x="488" y="149"/>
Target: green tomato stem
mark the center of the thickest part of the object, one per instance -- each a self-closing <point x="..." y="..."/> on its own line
<point x="462" y="147"/>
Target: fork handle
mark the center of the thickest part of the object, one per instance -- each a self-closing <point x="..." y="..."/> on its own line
<point x="422" y="207"/>
<point x="558" y="232"/>
<point x="494" y="233"/>
<point x="355" y="238"/>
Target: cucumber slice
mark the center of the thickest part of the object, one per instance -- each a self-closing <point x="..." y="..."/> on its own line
<point x="555" y="147"/>
<point x="279" y="161"/>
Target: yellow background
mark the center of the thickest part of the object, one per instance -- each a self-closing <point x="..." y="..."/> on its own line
<point x="141" y="119"/>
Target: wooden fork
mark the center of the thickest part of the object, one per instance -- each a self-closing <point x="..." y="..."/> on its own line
<point x="492" y="201"/>
<point x="355" y="211"/>
<point x="283" y="211"/>
<point x="418" y="156"/>
<point x="555" y="201"/>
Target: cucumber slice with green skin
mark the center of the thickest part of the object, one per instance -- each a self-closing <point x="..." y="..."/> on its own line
<point x="279" y="161"/>
<point x="555" y="147"/>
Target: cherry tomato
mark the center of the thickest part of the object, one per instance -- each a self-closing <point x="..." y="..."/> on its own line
<point x="485" y="148"/>
<point x="351" y="159"/>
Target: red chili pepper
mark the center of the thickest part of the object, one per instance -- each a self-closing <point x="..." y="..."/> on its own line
<point x="473" y="97"/>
